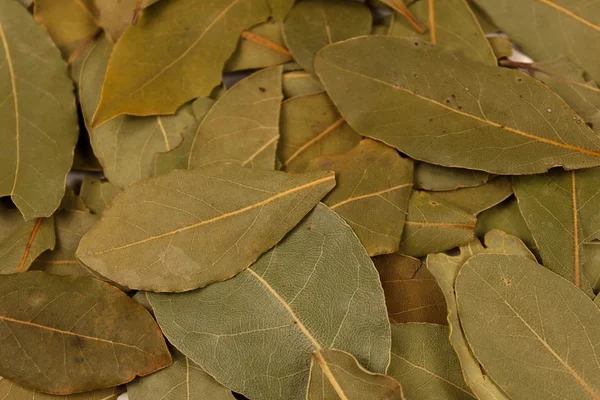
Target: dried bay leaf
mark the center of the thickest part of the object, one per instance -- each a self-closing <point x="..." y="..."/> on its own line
<point x="37" y="115"/>
<point x="182" y="380"/>
<point x="533" y="331"/>
<point x="234" y="214"/>
<point x="437" y="178"/>
<point x="115" y="16"/>
<point x="425" y="363"/>
<point x="97" y="194"/>
<point x="314" y="290"/>
<point x="280" y="8"/>
<point x="71" y="201"/>
<point x="336" y="374"/>
<point x="11" y="391"/>
<point x="373" y="187"/>
<point x="313" y="24"/>
<point x="242" y="127"/>
<point x="298" y="83"/>
<point x="411" y="292"/>
<point x="501" y="45"/>
<point x="102" y="337"/>
<point x="466" y="114"/>
<point x="174" y="40"/>
<point x="591" y="266"/>
<point x="311" y="126"/>
<point x="445" y="268"/>
<point x="127" y="146"/>
<point x="432" y="226"/>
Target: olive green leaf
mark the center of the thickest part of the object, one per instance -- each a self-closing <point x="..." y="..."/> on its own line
<point x="127" y="146"/>
<point x="591" y="267"/>
<point x="115" y="16"/>
<point x="501" y="45"/>
<point x="37" y="115"/>
<point x="411" y="292"/>
<point x="242" y="127"/>
<point x="402" y="9"/>
<point x="71" y="201"/>
<point x="336" y="374"/>
<point x="432" y="226"/>
<point x="314" y="290"/>
<point x="465" y="114"/>
<point x="373" y="187"/>
<point x="311" y="126"/>
<point x="484" y="20"/>
<point x="298" y="83"/>
<point x="545" y="29"/>
<point x="12" y="391"/>
<point x="313" y="24"/>
<point x="259" y="47"/>
<point x="280" y="8"/>
<point x="445" y="269"/>
<point x="70" y="23"/>
<point x="561" y="211"/>
<point x="451" y="26"/>
<point x="214" y="223"/>
<point x="21" y="242"/>
<point x="174" y="41"/>
<point x="182" y="380"/>
<point x="437" y="178"/>
<point x="102" y="337"/>
<point x="570" y="82"/>
<point x="479" y="198"/>
<point x="423" y="360"/>
<point x="97" y="194"/>
<point x="534" y="332"/>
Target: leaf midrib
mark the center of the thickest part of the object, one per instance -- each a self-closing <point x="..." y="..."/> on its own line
<point x="569" y="13"/>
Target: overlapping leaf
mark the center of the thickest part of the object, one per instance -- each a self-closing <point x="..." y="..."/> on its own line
<point x="437" y="178"/>
<point x="298" y="83"/>
<point x="97" y="194"/>
<point x="12" y="391"/>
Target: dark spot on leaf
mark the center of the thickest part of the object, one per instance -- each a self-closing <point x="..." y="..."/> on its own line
<point x="591" y="125"/>
<point x="430" y="119"/>
<point x="447" y="101"/>
<point x="453" y="96"/>
<point x="262" y="89"/>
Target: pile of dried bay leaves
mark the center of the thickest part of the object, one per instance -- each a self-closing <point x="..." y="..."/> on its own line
<point x="314" y="199"/>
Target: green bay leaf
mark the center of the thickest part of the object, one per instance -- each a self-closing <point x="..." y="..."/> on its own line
<point x="298" y="83"/>
<point x="437" y="178"/>
<point x="97" y="194"/>
<point x="11" y="391"/>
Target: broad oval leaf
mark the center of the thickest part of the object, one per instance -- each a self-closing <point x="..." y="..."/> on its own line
<point x="425" y="363"/>
<point x="373" y="187"/>
<point x="102" y="337"/>
<point x="314" y="290"/>
<point x="12" y="391"/>
<point x="335" y="374"/>
<point x="437" y="178"/>
<point x="174" y="41"/>
<point x="535" y="333"/>
<point x="214" y="223"/>
<point x="465" y="114"/>
<point x="242" y="127"/>
<point x="37" y="115"/>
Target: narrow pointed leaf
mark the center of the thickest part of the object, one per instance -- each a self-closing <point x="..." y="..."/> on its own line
<point x="174" y="40"/>
<point x="97" y="194"/>
<point x="214" y="223"/>
<point x="426" y="364"/>
<point x="335" y="374"/>
<point x="535" y="333"/>
<point x="299" y="83"/>
<point x="466" y="114"/>
<point x="12" y="391"/>
<point x="281" y="315"/>
<point x="37" y="115"/>
<point x="103" y="338"/>
<point x="313" y="24"/>
<point x="432" y="226"/>
<point x="242" y="127"/>
<point x="437" y="178"/>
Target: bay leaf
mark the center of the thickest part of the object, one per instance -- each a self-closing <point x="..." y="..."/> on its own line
<point x="115" y="16"/>
<point x="71" y="201"/>
<point x="546" y="29"/>
<point x="299" y="83"/>
<point x="311" y="126"/>
<point x="97" y="194"/>
<point x="336" y="374"/>
<point x="101" y="336"/>
<point x="140" y="298"/>
<point x="312" y="24"/>
<point x="280" y="8"/>
<point x="411" y="292"/>
<point x="484" y="20"/>
<point x="242" y="127"/>
<point x="402" y="9"/>
<point x="182" y="380"/>
<point x="426" y="364"/>
<point x="373" y="187"/>
<point x="12" y="391"/>
<point x="21" y="242"/>
<point x="561" y="211"/>
<point x="312" y="291"/>
<point x="174" y="40"/>
<point x="437" y="178"/>
<point x="501" y="45"/>
<point x="450" y="25"/>
<point x="37" y="115"/>
<point x="214" y="223"/>
<point x="466" y="114"/>
<point x="591" y="266"/>
<point x="259" y="47"/>
<point x="127" y="146"/>
<point x="533" y="331"/>
<point x="569" y="81"/>
<point x="432" y="226"/>
<point x="445" y="268"/>
<point x="476" y="199"/>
